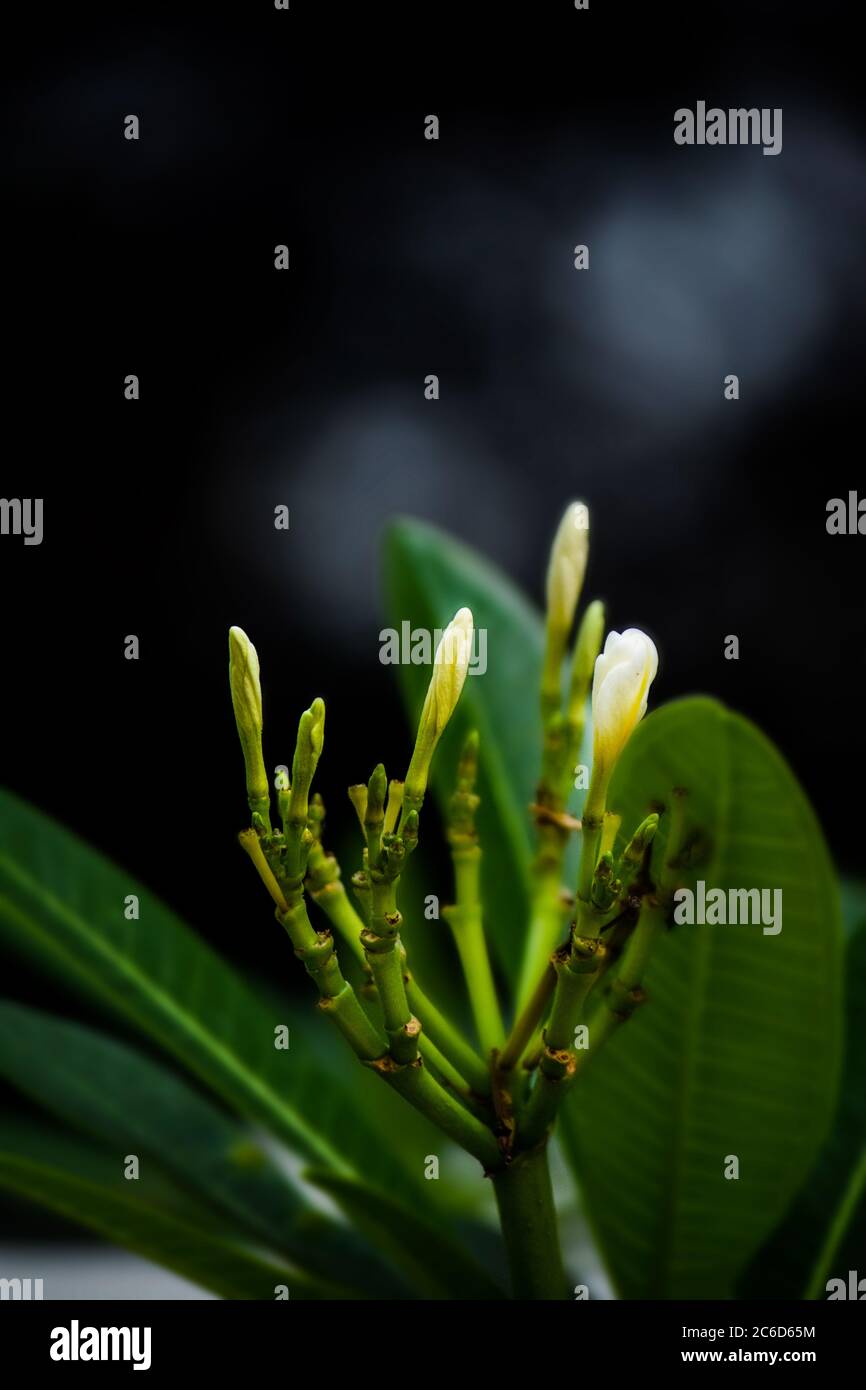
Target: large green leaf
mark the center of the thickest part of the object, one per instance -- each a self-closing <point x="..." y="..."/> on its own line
<point x="428" y="576"/>
<point x="146" y="1215"/>
<point x="853" y="894"/>
<point x="63" y="902"/>
<point x="823" y="1235"/>
<point x="737" y="1050"/>
<point x="132" y="1104"/>
<point x="434" y="1260"/>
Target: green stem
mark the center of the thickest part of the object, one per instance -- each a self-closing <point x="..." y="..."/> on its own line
<point x="590" y="841"/>
<point x="546" y="928"/>
<point x="334" y="901"/>
<point x="338" y="999"/>
<point x="527" y="1022"/>
<point x="524" y="1196"/>
<point x="401" y="1069"/>
<point x="381" y="942"/>
<point x="360" y="881"/>
<point x="625" y="992"/>
<point x="416" y="1084"/>
<point x="577" y="971"/>
<point x="445" y="1070"/>
<point x="465" y="919"/>
<point x="347" y="1013"/>
<point x="447" y="1037"/>
<point x="838" y="1226"/>
<point x="468" y="932"/>
<point x="562" y="736"/>
<point x="592" y="828"/>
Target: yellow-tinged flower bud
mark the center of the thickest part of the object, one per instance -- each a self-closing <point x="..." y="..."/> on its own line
<point x="247" y="703"/>
<point x="308" y="748"/>
<point x="567" y="567"/>
<point x="450" y="665"/>
<point x="624" y="672"/>
<point x="358" y="798"/>
<point x="565" y="571"/>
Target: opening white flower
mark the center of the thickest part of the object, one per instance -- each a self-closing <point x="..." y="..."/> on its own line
<point x="624" y="672"/>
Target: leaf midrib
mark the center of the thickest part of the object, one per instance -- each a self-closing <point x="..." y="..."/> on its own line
<point x="702" y="953"/>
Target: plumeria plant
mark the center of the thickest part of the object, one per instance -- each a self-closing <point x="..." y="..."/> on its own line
<point x="644" y="1103"/>
<point x="498" y="1100"/>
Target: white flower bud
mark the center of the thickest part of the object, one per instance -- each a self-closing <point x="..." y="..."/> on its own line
<point x="247" y="703"/>
<point x="567" y="567"/>
<point x="624" y="672"/>
<point x="450" y="665"/>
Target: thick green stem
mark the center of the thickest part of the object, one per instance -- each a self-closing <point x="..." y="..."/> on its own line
<point x="577" y="971"/>
<point x="593" y="827"/>
<point x="381" y="942"/>
<point x="347" y="1014"/>
<point x="524" y="1196"/>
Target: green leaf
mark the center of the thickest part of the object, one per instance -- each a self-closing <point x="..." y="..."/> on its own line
<point x="824" y="1233"/>
<point x="432" y="1260"/>
<point x="428" y="576"/>
<point x="145" y="1215"/>
<point x="737" y="1050"/>
<point x="133" y="1104"/>
<point x="63" y="902"/>
<point x="853" y="894"/>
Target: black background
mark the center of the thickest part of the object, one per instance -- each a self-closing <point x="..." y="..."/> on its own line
<point x="409" y="257"/>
